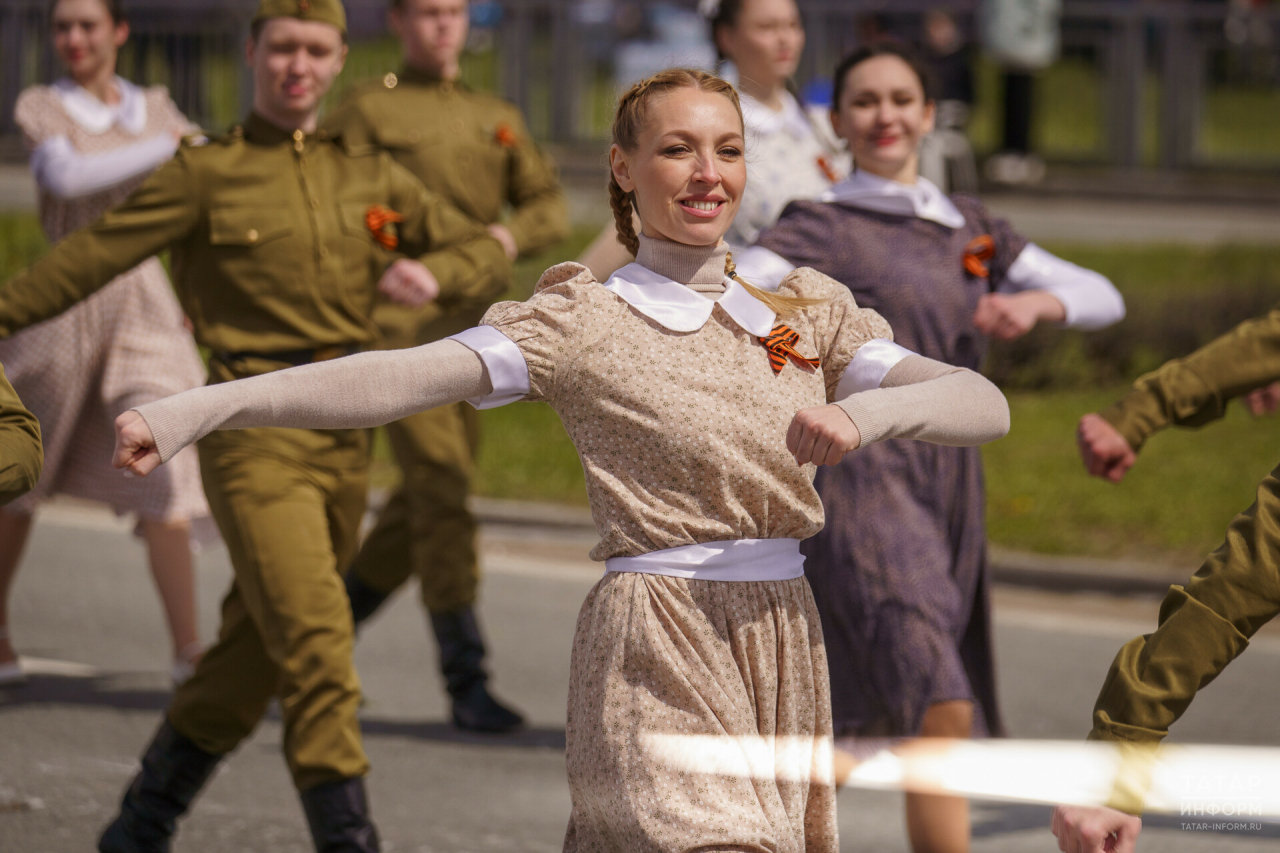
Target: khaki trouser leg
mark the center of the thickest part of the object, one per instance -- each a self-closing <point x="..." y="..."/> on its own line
<point x="288" y="503"/>
<point x="426" y="528"/>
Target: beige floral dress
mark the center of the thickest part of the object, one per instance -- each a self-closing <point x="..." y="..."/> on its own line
<point x="681" y="433"/>
<point x="126" y="344"/>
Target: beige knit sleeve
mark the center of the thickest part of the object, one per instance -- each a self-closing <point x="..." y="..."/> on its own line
<point x="355" y="392"/>
<point x="929" y="401"/>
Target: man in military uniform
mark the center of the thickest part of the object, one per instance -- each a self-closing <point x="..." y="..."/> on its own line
<point x="280" y="240"/>
<point x="1206" y="624"/>
<point x="473" y="149"/>
<point x="21" y="454"/>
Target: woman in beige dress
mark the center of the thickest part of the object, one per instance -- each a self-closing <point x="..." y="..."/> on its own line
<point x="700" y="407"/>
<point x="93" y="137"/>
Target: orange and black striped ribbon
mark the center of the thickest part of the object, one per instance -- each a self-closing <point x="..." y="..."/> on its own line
<point x="977" y="254"/>
<point x="781" y="345"/>
<point x="376" y="219"/>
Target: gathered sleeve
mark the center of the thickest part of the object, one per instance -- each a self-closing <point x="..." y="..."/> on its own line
<point x="523" y="343"/>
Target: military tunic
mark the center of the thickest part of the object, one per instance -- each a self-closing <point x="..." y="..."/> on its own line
<point x="1206" y="624"/>
<point x="474" y="149"/>
<point x="276" y="263"/>
<point x="21" y="453"/>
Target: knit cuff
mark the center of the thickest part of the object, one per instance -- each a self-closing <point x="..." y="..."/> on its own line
<point x="866" y="416"/>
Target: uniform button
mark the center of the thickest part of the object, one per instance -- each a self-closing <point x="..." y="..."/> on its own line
<point x="252" y="235"/>
<point x="315" y="203"/>
<point x="298" y="136"/>
<point x="324" y="252"/>
<point x="390" y="81"/>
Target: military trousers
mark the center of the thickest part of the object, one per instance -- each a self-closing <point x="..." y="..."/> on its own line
<point x="426" y="528"/>
<point x="289" y="505"/>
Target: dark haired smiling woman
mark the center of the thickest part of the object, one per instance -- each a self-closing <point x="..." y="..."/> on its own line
<point x="900" y="573"/>
<point x="700" y="407"/>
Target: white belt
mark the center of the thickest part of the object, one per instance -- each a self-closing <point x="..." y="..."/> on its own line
<point x="733" y="560"/>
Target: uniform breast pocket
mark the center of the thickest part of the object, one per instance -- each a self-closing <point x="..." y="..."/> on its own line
<point x="248" y="227"/>
<point x="358" y="219"/>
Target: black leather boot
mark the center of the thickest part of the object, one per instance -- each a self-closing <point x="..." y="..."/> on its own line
<point x="462" y="662"/>
<point x="173" y="771"/>
<point x="365" y="600"/>
<point x="338" y="816"/>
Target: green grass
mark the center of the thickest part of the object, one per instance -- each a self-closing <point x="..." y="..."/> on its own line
<point x="1174" y="504"/>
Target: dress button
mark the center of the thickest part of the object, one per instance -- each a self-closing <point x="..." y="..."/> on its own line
<point x="252" y="235"/>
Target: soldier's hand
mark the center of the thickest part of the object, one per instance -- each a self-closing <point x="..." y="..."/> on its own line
<point x="1264" y="400"/>
<point x="135" y="445"/>
<point x="1105" y="452"/>
<point x="822" y="435"/>
<point x="1011" y="315"/>
<point x="1095" y="830"/>
<point x="409" y="283"/>
<point x="504" y="236"/>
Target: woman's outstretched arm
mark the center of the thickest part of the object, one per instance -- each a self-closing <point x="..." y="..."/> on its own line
<point x="890" y="392"/>
<point x="358" y="391"/>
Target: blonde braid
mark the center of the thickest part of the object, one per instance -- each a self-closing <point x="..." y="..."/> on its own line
<point x="783" y="306"/>
<point x="621" y="203"/>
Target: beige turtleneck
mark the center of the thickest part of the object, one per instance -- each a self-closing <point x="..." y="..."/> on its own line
<point x="919" y="398"/>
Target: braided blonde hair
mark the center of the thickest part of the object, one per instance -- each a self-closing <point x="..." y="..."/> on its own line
<point x="627" y="125"/>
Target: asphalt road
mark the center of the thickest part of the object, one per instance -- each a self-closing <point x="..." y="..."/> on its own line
<point x="86" y="611"/>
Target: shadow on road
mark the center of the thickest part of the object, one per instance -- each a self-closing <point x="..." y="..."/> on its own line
<point x="108" y="691"/>
<point x="438" y="731"/>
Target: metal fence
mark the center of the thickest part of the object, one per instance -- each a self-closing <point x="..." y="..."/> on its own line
<point x="1173" y="84"/>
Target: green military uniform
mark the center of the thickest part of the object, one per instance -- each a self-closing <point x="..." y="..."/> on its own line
<point x="473" y="149"/>
<point x="1206" y="624"/>
<point x="275" y="264"/>
<point x="21" y="454"/>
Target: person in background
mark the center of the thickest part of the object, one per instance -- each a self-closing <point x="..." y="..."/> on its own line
<point x="790" y="154"/>
<point x="1207" y="623"/>
<point x="94" y="137"/>
<point x="900" y="571"/>
<point x="946" y="157"/>
<point x="1024" y="38"/>
<point x="281" y="240"/>
<point x="475" y="151"/>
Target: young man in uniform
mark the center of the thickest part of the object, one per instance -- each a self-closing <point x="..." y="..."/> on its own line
<point x="473" y="149"/>
<point x="1206" y="624"/>
<point x="280" y="240"/>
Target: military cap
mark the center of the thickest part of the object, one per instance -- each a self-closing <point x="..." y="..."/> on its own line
<point x="324" y="11"/>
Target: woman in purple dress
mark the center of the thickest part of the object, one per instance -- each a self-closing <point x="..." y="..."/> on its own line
<point x="900" y="571"/>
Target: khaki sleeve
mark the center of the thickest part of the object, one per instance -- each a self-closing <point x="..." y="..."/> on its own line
<point x="1195" y="390"/>
<point x="21" y="454"/>
<point x="159" y="213"/>
<point x="540" y="214"/>
<point x="470" y="266"/>
<point x="1202" y="628"/>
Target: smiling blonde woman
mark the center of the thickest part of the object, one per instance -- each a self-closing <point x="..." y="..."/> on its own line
<point x="700" y="408"/>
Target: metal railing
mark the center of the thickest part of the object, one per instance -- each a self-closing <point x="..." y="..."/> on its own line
<point x="1141" y="83"/>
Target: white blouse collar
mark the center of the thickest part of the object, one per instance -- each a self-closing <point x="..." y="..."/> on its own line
<point x="761" y="120"/>
<point x="676" y="307"/>
<point x="97" y="118"/>
<point x="922" y="199"/>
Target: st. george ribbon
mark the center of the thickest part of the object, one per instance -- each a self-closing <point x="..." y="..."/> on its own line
<point x="1220" y="782"/>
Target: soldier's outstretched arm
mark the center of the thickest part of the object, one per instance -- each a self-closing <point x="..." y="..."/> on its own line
<point x="21" y="454"/>
<point x="1202" y="628"/>
<point x="467" y="262"/>
<point x="158" y="214"/>
<point x="540" y="213"/>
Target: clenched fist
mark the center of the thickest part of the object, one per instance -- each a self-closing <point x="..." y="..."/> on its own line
<point x="135" y="445"/>
<point x="1095" y="830"/>
<point x="1011" y="315"/>
<point x="1106" y="453"/>
<point x="409" y="283"/>
<point x="822" y="435"/>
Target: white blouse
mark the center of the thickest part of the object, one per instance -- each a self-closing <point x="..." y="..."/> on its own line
<point x="786" y="160"/>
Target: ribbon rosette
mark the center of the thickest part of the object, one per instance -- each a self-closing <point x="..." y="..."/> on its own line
<point x="377" y="218"/>
<point x="977" y="254"/>
<point x="781" y="345"/>
<point x="505" y="136"/>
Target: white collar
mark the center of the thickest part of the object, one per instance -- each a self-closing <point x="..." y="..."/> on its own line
<point x="922" y="199"/>
<point x="761" y="120"/>
<point x="676" y="307"/>
<point x="97" y="118"/>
